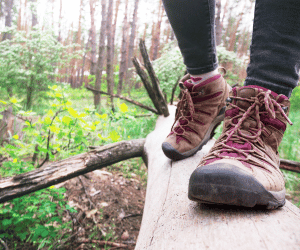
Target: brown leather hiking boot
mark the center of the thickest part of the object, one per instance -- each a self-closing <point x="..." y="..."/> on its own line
<point x="242" y="168"/>
<point x="200" y="110"/>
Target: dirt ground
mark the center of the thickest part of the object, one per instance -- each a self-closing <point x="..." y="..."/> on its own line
<point x="108" y="206"/>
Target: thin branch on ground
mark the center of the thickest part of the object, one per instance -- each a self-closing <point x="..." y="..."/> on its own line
<point x="125" y="99"/>
<point x="103" y="243"/>
<point x="4" y="244"/>
<point x="92" y="204"/>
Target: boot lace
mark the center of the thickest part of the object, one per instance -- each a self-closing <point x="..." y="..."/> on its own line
<point x="185" y="111"/>
<point x="235" y="134"/>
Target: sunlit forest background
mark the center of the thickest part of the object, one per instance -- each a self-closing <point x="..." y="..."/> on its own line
<point x="65" y="72"/>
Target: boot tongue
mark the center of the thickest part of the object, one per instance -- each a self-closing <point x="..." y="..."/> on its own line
<point x="246" y="93"/>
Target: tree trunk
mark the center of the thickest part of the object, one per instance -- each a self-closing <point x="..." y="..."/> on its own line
<point x="100" y="62"/>
<point x="233" y="34"/>
<point x="93" y="38"/>
<point x="59" y="21"/>
<point x="156" y="41"/>
<point x="84" y="59"/>
<point x="172" y="221"/>
<point x="114" y="26"/>
<point x="131" y="40"/>
<point x="123" y="63"/>
<point x="63" y="170"/>
<point x="34" y="20"/>
<point x="109" y="65"/>
<point x="218" y="24"/>
<point x="8" y="18"/>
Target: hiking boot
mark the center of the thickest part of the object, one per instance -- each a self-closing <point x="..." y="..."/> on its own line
<point x="242" y="168"/>
<point x="200" y="110"/>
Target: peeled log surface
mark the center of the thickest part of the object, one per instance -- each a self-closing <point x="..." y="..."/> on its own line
<point x="172" y="221"/>
<point x="63" y="170"/>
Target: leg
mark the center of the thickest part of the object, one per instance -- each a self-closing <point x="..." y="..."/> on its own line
<point x="193" y="23"/>
<point x="204" y="91"/>
<point x="243" y="166"/>
<point x="275" y="50"/>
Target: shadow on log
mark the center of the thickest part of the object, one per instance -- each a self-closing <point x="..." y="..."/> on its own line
<point x="172" y="221"/>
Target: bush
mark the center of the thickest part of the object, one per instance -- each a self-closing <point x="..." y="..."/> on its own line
<point x="28" y="63"/>
<point x="35" y="218"/>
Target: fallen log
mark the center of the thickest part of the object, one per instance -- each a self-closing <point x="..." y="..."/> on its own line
<point x="172" y="221"/>
<point x="290" y="165"/>
<point x="63" y="170"/>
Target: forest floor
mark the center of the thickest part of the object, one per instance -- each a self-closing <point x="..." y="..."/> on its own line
<point x="108" y="206"/>
<point x="109" y="212"/>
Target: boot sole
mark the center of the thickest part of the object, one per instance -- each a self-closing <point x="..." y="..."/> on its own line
<point x="230" y="185"/>
<point x="174" y="155"/>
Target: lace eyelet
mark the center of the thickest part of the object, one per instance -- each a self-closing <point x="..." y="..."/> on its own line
<point x="285" y="109"/>
<point x="228" y="100"/>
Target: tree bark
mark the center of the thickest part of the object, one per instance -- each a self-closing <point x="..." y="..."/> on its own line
<point x="59" y="21"/>
<point x="100" y="62"/>
<point x="93" y="39"/>
<point x="172" y="221"/>
<point x="84" y="59"/>
<point x="156" y="41"/>
<point x="60" y="171"/>
<point x="114" y="26"/>
<point x="162" y="104"/>
<point x="290" y="165"/>
<point x="8" y="18"/>
<point x="109" y="63"/>
<point x="131" y="40"/>
<point x="123" y="63"/>
<point x="144" y="77"/>
<point x="218" y="24"/>
<point x="34" y="20"/>
<point x="126" y="99"/>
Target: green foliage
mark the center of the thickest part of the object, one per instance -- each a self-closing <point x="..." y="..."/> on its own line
<point x="36" y="218"/>
<point x="28" y="63"/>
<point x="229" y="58"/>
<point x="65" y="131"/>
<point x="169" y="68"/>
<point x="295" y="99"/>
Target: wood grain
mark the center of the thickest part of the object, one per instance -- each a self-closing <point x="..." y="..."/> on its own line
<point x="172" y="221"/>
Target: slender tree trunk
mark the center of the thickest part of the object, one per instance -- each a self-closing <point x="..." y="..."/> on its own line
<point x="109" y="64"/>
<point x="156" y="41"/>
<point x="93" y="38"/>
<point x="123" y="63"/>
<point x="8" y="18"/>
<point x="7" y="35"/>
<point x="33" y="8"/>
<point x="100" y="62"/>
<point x="131" y="39"/>
<point x="19" y="23"/>
<point x="84" y="58"/>
<point x="234" y="32"/>
<point x="59" y="21"/>
<point x="218" y="24"/>
<point x="114" y="27"/>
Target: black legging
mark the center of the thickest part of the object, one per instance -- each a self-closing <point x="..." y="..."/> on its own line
<point x="275" y="49"/>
